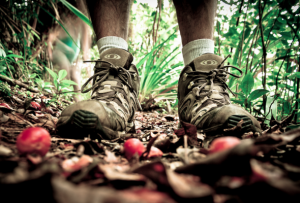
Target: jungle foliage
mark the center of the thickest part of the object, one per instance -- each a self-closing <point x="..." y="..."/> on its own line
<point x="262" y="38"/>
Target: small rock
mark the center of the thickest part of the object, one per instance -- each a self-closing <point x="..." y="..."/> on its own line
<point x="3" y="118"/>
<point x="5" y="151"/>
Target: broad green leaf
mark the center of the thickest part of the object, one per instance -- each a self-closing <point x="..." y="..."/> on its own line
<point x="52" y="73"/>
<point x="68" y="82"/>
<point x="293" y="126"/>
<point x="271" y="109"/>
<point x="2" y="68"/>
<point x="287" y="107"/>
<point x="62" y="74"/>
<point x="247" y="83"/>
<point x="294" y="75"/>
<point x="13" y="56"/>
<point x="238" y="101"/>
<point x="33" y="75"/>
<point x="2" y="53"/>
<point x="257" y="93"/>
<point x="232" y="82"/>
<point x="48" y="84"/>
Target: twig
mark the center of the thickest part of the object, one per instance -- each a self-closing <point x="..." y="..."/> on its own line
<point x="159" y="17"/>
<point x="250" y="49"/>
<point x="240" y="10"/>
<point x="13" y="22"/>
<point x="240" y="61"/>
<point x="237" y="22"/>
<point x="264" y="80"/>
<point x="255" y="44"/>
<point x="17" y="82"/>
<point x="297" y="95"/>
<point x="288" y="51"/>
<point x="219" y="48"/>
<point x="273" y="27"/>
<point x="270" y="107"/>
<point x="237" y="128"/>
<point x="298" y="80"/>
<point x="26" y="121"/>
<point x="153" y="27"/>
<point x="9" y="69"/>
<point x="34" y="23"/>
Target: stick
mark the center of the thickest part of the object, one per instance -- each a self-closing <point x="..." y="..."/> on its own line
<point x="17" y="82"/>
<point x="185" y="147"/>
<point x="21" y="84"/>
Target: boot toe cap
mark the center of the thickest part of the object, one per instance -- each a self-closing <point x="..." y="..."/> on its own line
<point x="89" y="116"/>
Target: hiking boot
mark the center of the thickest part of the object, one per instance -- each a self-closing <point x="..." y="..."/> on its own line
<point x="204" y="100"/>
<point x="110" y="111"/>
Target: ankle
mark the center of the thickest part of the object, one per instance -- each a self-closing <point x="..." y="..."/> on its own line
<point x="196" y="48"/>
<point x="111" y="42"/>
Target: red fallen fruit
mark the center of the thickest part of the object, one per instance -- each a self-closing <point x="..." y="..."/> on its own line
<point x="132" y="146"/>
<point x="223" y="143"/>
<point x="155" y="152"/>
<point x="36" y="105"/>
<point x="34" y="140"/>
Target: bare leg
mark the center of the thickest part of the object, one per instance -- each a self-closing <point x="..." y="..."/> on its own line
<point x="195" y="19"/>
<point x="75" y="76"/>
<point x="109" y="17"/>
<point x="61" y="61"/>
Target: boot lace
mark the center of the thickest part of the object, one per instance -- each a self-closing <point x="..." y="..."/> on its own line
<point x="218" y="75"/>
<point x="102" y="73"/>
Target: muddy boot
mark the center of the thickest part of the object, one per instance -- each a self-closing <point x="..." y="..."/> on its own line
<point x="204" y="100"/>
<point x="110" y="111"/>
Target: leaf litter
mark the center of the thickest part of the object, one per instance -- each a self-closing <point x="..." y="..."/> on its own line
<point x="263" y="168"/>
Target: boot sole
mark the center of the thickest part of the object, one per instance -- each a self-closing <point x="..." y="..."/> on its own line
<point x="83" y="124"/>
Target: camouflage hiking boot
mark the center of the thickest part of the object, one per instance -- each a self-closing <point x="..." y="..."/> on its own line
<point x="110" y="111"/>
<point x="204" y="100"/>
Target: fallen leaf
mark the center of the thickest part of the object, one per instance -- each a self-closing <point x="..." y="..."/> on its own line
<point x="35" y="105"/>
<point x="5" y="106"/>
<point x="75" y="163"/>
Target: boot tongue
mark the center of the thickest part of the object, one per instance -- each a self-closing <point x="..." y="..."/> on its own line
<point x="207" y="62"/>
<point x="118" y="57"/>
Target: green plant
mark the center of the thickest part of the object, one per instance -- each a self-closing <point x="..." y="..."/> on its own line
<point x="263" y="37"/>
<point x="248" y="95"/>
<point x="42" y="85"/>
<point x="159" y="77"/>
<point x="5" y="88"/>
<point x="61" y="84"/>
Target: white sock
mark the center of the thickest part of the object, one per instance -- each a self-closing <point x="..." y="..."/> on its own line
<point x="196" y="48"/>
<point x="111" y="42"/>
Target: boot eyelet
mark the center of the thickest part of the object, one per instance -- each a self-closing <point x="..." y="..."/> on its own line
<point x="134" y="75"/>
<point x="184" y="77"/>
<point x="191" y="84"/>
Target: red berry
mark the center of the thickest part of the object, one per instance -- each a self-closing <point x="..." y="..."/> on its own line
<point x="223" y="143"/>
<point x="35" y="105"/>
<point x="155" y="152"/>
<point x="34" y="140"/>
<point x="132" y="146"/>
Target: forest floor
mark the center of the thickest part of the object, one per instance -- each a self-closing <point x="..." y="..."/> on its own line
<point x="259" y="169"/>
